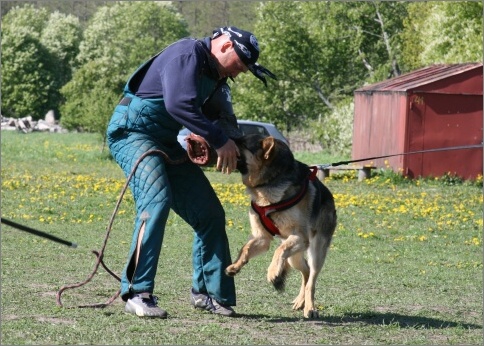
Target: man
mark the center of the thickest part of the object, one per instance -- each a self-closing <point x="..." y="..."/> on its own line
<point x="171" y="90"/>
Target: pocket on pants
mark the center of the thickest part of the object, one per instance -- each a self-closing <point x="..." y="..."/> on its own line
<point x="119" y="122"/>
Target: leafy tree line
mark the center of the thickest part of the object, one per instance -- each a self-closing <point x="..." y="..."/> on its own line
<point x="320" y="51"/>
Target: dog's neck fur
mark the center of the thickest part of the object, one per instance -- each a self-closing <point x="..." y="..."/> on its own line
<point x="267" y="195"/>
<point x="275" y="189"/>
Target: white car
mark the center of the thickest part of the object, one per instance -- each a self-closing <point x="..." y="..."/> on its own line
<point x="247" y="127"/>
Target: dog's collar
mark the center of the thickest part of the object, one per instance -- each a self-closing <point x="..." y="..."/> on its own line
<point x="264" y="211"/>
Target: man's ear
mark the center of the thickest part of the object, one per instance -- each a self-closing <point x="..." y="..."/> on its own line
<point x="227" y="45"/>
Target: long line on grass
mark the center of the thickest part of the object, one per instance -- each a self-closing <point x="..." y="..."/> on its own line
<point x="100" y="254"/>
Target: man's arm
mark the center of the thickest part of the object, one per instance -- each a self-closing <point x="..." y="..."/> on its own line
<point x="180" y="80"/>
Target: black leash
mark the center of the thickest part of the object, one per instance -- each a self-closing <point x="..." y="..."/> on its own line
<point x="37" y="232"/>
<point x="462" y="147"/>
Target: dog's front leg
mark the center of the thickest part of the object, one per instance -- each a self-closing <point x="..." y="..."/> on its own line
<point x="276" y="273"/>
<point x="252" y="248"/>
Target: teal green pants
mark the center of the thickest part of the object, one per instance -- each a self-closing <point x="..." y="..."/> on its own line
<point x="158" y="186"/>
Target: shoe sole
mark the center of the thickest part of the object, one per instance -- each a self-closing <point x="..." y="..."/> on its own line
<point x="206" y="309"/>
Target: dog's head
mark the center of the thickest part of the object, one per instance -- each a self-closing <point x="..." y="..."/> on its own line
<point x="263" y="159"/>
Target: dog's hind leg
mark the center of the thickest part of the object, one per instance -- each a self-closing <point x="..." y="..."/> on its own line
<point x="252" y="248"/>
<point x="317" y="252"/>
<point x="298" y="262"/>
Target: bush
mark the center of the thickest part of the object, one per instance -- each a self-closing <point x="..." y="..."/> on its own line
<point x="91" y="100"/>
<point x="335" y="130"/>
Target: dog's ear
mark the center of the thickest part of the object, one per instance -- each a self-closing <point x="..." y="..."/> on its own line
<point x="268" y="146"/>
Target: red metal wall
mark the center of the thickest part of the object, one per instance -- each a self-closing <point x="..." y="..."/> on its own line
<point x="404" y="115"/>
<point x="379" y="128"/>
<point x="440" y="121"/>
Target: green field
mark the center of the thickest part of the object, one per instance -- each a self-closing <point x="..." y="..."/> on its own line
<point x="405" y="266"/>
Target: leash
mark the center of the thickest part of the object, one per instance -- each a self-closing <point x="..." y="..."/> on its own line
<point x="100" y="254"/>
<point x="462" y="147"/>
<point x="37" y="232"/>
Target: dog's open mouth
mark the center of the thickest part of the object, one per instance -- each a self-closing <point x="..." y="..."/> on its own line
<point x="241" y="160"/>
<point x="242" y="165"/>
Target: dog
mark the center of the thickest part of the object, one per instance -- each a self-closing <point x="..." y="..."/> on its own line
<point x="287" y="201"/>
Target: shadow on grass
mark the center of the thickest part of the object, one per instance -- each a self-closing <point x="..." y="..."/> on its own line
<point x="373" y="318"/>
<point x="402" y="321"/>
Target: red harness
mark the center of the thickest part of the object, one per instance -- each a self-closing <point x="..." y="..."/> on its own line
<point x="264" y="212"/>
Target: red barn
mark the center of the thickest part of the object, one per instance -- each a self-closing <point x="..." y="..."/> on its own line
<point x="434" y="107"/>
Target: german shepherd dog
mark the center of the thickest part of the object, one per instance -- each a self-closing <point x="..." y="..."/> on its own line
<point x="290" y="202"/>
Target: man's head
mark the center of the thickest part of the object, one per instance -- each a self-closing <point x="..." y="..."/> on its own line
<point x="245" y="43"/>
<point x="228" y="51"/>
<point x="237" y="51"/>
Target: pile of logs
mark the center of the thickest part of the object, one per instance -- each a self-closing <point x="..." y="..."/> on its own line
<point x="26" y="124"/>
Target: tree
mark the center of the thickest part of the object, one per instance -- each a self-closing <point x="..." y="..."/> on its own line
<point x="442" y="32"/>
<point x="38" y="51"/>
<point x="81" y="9"/>
<point x="378" y="26"/>
<point x="61" y="36"/>
<point x="285" y="48"/>
<point x="204" y="16"/>
<point x="115" y="43"/>
<point x="27" y="66"/>
<point x="91" y="98"/>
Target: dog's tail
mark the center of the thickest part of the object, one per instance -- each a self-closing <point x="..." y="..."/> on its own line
<point x="279" y="282"/>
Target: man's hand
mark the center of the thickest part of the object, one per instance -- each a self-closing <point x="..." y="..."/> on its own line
<point x="227" y="157"/>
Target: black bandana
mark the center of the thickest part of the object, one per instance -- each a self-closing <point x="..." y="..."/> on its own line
<point x="247" y="49"/>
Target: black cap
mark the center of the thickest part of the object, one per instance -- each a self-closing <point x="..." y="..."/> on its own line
<point x="245" y="43"/>
<point x="247" y="48"/>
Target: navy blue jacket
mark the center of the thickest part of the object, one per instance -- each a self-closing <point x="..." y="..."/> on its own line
<point x="176" y="75"/>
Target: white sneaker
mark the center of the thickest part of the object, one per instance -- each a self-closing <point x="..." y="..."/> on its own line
<point x="144" y="305"/>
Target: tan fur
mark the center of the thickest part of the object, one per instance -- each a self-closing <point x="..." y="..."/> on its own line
<point x="298" y="233"/>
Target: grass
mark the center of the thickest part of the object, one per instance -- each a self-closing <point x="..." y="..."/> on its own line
<point x="405" y="265"/>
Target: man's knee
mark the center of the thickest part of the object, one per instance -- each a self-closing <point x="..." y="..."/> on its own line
<point x="208" y="218"/>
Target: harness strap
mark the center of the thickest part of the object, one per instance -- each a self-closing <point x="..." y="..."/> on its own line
<point x="264" y="211"/>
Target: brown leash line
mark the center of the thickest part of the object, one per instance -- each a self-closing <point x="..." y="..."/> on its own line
<point x="100" y="254"/>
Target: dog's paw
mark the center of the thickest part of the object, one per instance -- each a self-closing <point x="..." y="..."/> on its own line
<point x="231" y="270"/>
<point x="298" y="303"/>
<point x="278" y="281"/>
<point x="311" y="314"/>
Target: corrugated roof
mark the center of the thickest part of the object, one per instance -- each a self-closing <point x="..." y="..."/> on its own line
<point x="420" y="77"/>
